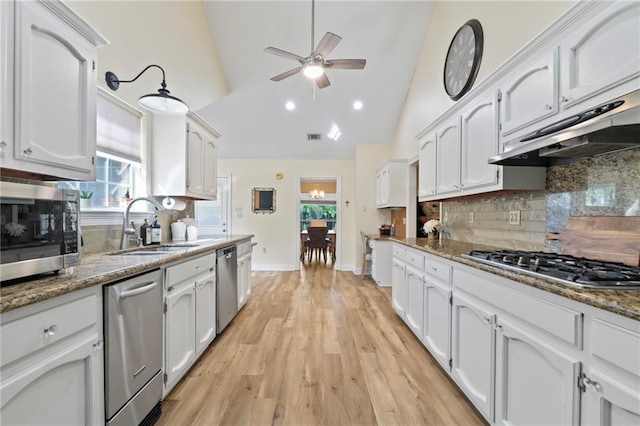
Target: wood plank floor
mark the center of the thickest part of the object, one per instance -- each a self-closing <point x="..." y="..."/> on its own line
<point x="316" y="347"/>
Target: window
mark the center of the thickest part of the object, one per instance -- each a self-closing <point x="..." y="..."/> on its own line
<point x="316" y="211"/>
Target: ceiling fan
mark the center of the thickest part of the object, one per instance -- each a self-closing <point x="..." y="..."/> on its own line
<point x="314" y="65"/>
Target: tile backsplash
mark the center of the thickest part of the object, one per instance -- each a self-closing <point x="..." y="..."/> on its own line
<point x="607" y="185"/>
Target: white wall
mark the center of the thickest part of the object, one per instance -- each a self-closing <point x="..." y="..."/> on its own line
<point x="172" y="34"/>
<point x="277" y="232"/>
<point x="507" y="27"/>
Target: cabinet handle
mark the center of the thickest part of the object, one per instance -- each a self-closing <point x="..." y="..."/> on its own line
<point x="487" y="320"/>
<point x="170" y="288"/>
<point x="97" y="346"/>
<point x="51" y="330"/>
<point x="548" y="107"/>
<point x="434" y="269"/>
<point x="3" y="144"/>
<point x="590" y="382"/>
<point x="498" y="327"/>
<point x="564" y="99"/>
<point x="27" y="151"/>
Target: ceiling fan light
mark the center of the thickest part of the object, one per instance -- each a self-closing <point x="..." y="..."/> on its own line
<point x="313" y="71"/>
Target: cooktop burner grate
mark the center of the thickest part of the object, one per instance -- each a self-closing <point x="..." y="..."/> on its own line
<point x="580" y="272"/>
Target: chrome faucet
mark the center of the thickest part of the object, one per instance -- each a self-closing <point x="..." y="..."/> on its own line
<point x="128" y="232"/>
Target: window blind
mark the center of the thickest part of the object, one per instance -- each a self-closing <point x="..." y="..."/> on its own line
<point x="119" y="128"/>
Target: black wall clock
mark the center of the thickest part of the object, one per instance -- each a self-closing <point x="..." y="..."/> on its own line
<point x="463" y="59"/>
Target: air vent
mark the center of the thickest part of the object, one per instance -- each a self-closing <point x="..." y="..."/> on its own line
<point x="314" y="136"/>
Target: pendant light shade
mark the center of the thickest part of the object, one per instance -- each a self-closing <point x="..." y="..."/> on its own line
<point x="159" y="103"/>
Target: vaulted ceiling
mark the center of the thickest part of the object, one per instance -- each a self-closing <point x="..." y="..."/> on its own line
<point x="252" y="118"/>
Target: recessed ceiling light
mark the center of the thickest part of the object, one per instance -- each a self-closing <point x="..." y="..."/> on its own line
<point x="357" y="105"/>
<point x="334" y="133"/>
<point x="290" y="105"/>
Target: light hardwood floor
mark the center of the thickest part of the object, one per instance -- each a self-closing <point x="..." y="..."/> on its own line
<point x="316" y="347"/>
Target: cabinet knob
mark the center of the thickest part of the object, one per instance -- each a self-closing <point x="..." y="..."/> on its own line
<point x="27" y="151"/>
<point x="98" y="345"/>
<point x="590" y="382"/>
<point x="487" y="320"/>
<point x="498" y="327"/>
<point x="434" y="269"/>
<point x="548" y="107"/>
<point x="564" y="99"/>
<point x="51" y="330"/>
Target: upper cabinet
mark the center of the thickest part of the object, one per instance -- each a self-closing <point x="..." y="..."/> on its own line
<point x="601" y="56"/>
<point x="391" y="184"/>
<point x="49" y="97"/>
<point x="184" y="157"/>
<point x="589" y="56"/>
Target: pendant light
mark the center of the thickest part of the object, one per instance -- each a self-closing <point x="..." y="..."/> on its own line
<point x="315" y="194"/>
<point x="159" y="103"/>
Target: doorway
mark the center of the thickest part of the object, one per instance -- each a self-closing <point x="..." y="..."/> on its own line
<point x="213" y="217"/>
<point x="319" y="205"/>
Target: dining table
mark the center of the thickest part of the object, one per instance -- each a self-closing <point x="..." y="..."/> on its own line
<point x="331" y="234"/>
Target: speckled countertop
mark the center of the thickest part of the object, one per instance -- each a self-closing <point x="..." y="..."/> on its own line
<point x="102" y="268"/>
<point x="621" y="302"/>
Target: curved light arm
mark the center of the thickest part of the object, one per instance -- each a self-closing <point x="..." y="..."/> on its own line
<point x="113" y="82"/>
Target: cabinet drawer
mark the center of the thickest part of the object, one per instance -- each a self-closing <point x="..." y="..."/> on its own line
<point x="399" y="252"/>
<point x="190" y="268"/>
<point x="244" y="249"/>
<point x="438" y="269"/>
<point x="416" y="259"/>
<point x="563" y="323"/>
<point x="616" y="345"/>
<point x="29" y="334"/>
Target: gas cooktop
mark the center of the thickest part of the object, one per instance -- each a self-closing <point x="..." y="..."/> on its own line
<point x="570" y="270"/>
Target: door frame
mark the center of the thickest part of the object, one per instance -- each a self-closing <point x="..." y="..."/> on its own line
<point x="339" y="218"/>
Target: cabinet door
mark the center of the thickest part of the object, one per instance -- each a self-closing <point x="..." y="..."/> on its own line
<point x="437" y="321"/>
<point x="55" y="94"/>
<point x="6" y="81"/>
<point x="195" y="161"/>
<point x="448" y="154"/>
<point x="527" y="370"/>
<point x="247" y="277"/>
<point x="241" y="282"/>
<point x="414" y="306"/>
<point x="398" y="287"/>
<point x="479" y="142"/>
<point x="205" y="312"/>
<point x="180" y="332"/>
<point x="530" y="95"/>
<point x="65" y="388"/>
<point x="210" y="172"/>
<point x="473" y="356"/>
<point x="427" y="170"/>
<point x="608" y="402"/>
<point x="602" y="54"/>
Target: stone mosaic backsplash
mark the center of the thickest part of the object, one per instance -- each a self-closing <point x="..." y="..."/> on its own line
<point x="607" y="185"/>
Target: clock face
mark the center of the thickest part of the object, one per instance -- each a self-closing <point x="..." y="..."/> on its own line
<point x="463" y="59"/>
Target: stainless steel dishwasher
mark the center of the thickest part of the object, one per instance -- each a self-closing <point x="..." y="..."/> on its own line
<point x="226" y="286"/>
<point x="133" y="349"/>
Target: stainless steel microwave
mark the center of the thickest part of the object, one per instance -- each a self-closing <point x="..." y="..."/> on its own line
<point x="39" y="229"/>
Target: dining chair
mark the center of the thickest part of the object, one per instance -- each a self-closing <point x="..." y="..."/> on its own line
<point x="317" y="242"/>
<point x="366" y="252"/>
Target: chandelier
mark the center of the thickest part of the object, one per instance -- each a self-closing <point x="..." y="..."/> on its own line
<point x="315" y="194"/>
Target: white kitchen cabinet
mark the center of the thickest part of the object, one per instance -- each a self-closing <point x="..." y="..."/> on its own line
<point x="448" y="155"/>
<point x="6" y="81"/>
<point x="52" y="361"/>
<point x="427" y="160"/>
<point x="381" y="261"/>
<point x="205" y="301"/>
<point x="398" y="280"/>
<point x="530" y="94"/>
<point x="391" y="184"/>
<point x="184" y="157"/>
<point x="54" y="92"/>
<point x="244" y="273"/>
<point x="608" y="402"/>
<point x="602" y="55"/>
<point x="436" y="331"/>
<point x="180" y="332"/>
<point x="529" y="370"/>
<point x="414" y="307"/>
<point x="190" y="315"/>
<point x="473" y="352"/>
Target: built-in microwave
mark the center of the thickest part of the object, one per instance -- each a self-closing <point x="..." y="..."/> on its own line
<point x="39" y="229"/>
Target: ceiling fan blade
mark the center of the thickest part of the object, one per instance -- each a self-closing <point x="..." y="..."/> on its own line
<point x="286" y="74"/>
<point x="327" y="44"/>
<point x="323" y="81"/>
<point x="284" y="54"/>
<point x="346" y="64"/>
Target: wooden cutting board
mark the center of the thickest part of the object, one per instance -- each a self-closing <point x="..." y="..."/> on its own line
<point x="606" y="238"/>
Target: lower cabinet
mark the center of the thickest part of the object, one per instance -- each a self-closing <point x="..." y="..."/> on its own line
<point x="414" y="307"/>
<point x="436" y="331"/>
<point x="530" y="370"/>
<point x="473" y="352"/>
<point x="190" y="315"/>
<point x="398" y="286"/>
<point x="381" y="255"/>
<point x="244" y="273"/>
<point x="608" y="402"/>
<point x="52" y="362"/>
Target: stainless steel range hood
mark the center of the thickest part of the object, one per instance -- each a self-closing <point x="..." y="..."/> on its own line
<point x="609" y="127"/>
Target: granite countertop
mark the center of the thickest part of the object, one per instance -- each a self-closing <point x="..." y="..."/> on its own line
<point x="102" y="268"/>
<point x="621" y="302"/>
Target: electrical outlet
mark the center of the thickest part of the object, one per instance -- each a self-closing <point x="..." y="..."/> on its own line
<point x="514" y="217"/>
<point x="264" y="249"/>
<point x="470" y="217"/>
<point x="445" y="217"/>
